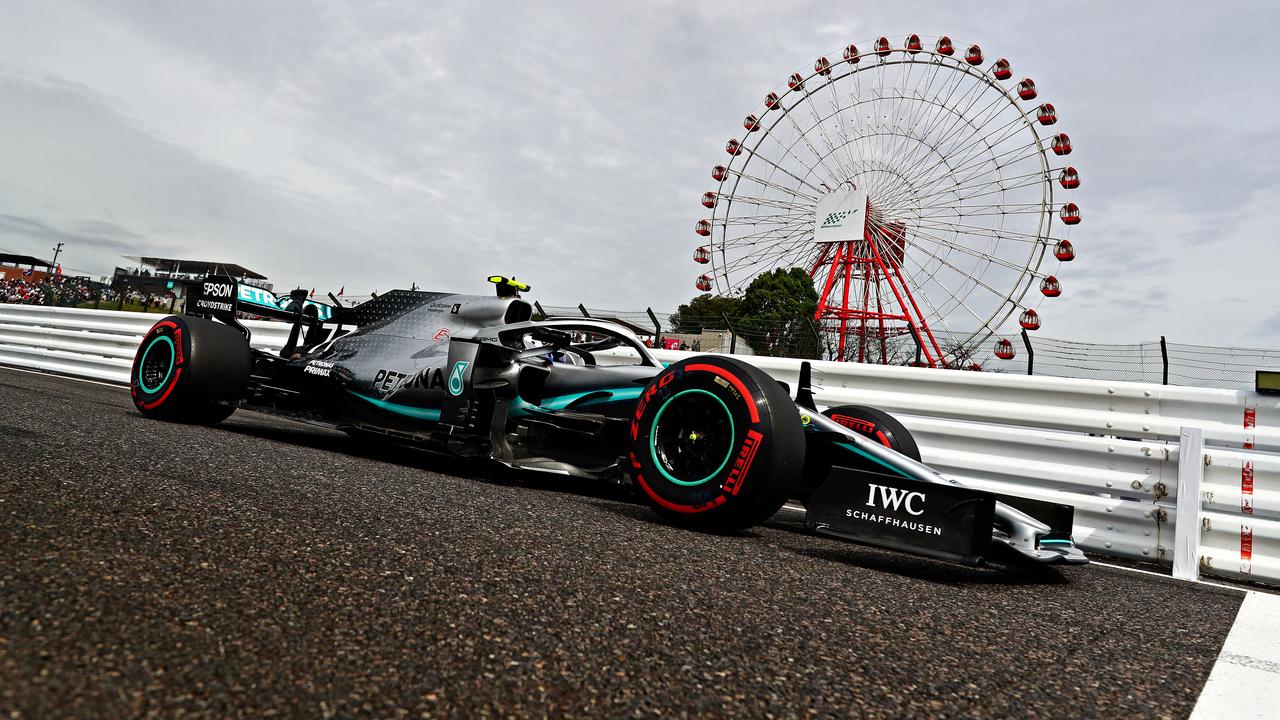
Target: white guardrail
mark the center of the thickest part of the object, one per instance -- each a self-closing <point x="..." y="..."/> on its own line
<point x="1184" y="477"/>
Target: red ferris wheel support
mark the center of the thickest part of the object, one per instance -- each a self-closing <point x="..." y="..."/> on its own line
<point x="860" y="264"/>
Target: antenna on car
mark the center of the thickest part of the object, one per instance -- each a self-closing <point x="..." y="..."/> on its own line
<point x="508" y="287"/>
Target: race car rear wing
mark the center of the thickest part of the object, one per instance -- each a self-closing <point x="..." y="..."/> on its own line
<point x="222" y="298"/>
<point x="225" y="295"/>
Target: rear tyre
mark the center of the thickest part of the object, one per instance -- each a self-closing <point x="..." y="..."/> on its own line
<point x="716" y="444"/>
<point x="191" y="370"/>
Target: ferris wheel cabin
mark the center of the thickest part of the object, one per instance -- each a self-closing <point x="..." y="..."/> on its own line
<point x="1069" y="178"/>
<point x="1050" y="287"/>
<point x="1004" y="349"/>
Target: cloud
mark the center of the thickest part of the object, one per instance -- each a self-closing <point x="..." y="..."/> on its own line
<point x="375" y="145"/>
<point x="95" y="234"/>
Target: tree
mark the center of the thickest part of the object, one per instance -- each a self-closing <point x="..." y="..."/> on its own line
<point x="777" y="311"/>
<point x="704" y="311"/>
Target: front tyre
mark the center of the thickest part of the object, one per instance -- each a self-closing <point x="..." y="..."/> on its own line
<point x="877" y="425"/>
<point x="189" y="369"/>
<point x="716" y="443"/>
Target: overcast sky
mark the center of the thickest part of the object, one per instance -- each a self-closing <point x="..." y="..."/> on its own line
<point x="375" y="144"/>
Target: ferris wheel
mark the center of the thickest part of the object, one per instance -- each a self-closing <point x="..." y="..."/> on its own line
<point x="915" y="184"/>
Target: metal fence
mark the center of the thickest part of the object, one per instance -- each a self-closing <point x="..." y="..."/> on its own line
<point x="1156" y="361"/>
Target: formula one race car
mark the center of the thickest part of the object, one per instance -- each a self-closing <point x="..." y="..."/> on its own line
<point x="710" y="441"/>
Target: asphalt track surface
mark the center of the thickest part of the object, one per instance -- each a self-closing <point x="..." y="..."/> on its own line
<point x="265" y="568"/>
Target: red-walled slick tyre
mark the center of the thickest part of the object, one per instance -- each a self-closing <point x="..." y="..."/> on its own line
<point x="716" y="443"/>
<point x="877" y="425"/>
<point x="871" y="423"/>
<point x="191" y="370"/>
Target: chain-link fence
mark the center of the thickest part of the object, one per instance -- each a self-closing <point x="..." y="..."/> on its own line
<point x="1155" y="361"/>
<point x="1137" y="362"/>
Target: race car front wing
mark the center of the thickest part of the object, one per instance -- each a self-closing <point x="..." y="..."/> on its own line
<point x="910" y="507"/>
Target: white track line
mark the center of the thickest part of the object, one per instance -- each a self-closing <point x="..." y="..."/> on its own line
<point x="1247" y="673"/>
<point x="1152" y="573"/>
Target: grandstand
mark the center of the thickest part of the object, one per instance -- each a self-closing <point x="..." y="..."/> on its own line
<point x="32" y="269"/>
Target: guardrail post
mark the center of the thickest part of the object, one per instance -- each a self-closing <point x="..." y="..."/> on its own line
<point x="1186" y="528"/>
<point x="538" y="306"/>
<point x="1164" y="360"/>
<point x="657" y="327"/>
<point x="583" y="308"/>
<point x="733" y="334"/>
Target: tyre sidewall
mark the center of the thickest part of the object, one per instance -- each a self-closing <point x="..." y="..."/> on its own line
<point x="168" y="335"/>
<point x="763" y="457"/>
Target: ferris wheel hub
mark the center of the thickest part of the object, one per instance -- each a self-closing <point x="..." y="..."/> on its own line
<point x="840" y="216"/>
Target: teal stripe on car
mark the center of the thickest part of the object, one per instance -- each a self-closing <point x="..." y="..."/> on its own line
<point x="872" y="458"/>
<point x="519" y="407"/>
<point x="417" y="413"/>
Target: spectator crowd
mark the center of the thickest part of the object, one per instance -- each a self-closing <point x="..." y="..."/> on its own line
<point x="68" y="291"/>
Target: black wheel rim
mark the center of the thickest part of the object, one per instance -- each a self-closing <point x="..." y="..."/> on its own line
<point x="156" y="365"/>
<point x="692" y="438"/>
